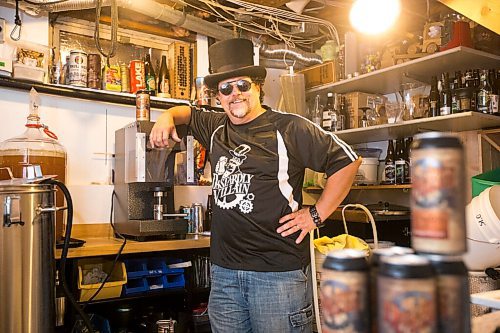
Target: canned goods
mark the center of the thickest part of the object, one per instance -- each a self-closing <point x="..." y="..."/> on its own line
<point x="166" y="326"/>
<point x="406" y="295"/>
<point x="125" y="77"/>
<point x="344" y="292"/>
<point x="94" y="71"/>
<point x="453" y="301"/>
<point x="437" y="196"/>
<point x="142" y="105"/>
<point x="111" y="78"/>
<point x="77" y="68"/>
<point x="137" y="76"/>
<point x="196" y="218"/>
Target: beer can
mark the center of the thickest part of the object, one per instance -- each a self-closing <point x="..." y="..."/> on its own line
<point x="344" y="292"/>
<point x="125" y="77"/>
<point x="406" y="295"/>
<point x="197" y="218"/>
<point x="77" y="68"/>
<point x="453" y="300"/>
<point x="437" y="197"/>
<point x="137" y="76"/>
<point x="142" y="105"/>
<point x="94" y="71"/>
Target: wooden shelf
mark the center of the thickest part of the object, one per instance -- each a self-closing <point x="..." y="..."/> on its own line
<point x="459" y="122"/>
<point x="388" y="80"/>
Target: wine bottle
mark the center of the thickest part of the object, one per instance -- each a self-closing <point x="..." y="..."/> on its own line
<point x="163" y="85"/>
<point x="434" y="98"/>
<point x="390" y="168"/>
<point x="150" y="76"/>
<point x="327" y="116"/>
<point x="207" y="223"/>
<point x="445" y="100"/>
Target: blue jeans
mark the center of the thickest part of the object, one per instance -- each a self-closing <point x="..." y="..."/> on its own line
<point x="260" y="302"/>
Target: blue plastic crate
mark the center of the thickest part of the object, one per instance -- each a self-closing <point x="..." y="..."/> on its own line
<point x="174" y="280"/>
<point x="155" y="282"/>
<point x="155" y="266"/>
<point x="136" y="268"/>
<point x="136" y="285"/>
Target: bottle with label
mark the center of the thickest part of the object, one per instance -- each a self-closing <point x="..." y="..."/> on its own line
<point x="455" y="86"/>
<point x="207" y="222"/>
<point x="338" y="118"/>
<point x="445" y="95"/>
<point x="344" y="111"/>
<point x="483" y="93"/>
<point x="492" y="78"/>
<point x="400" y="162"/>
<point x="150" y="76"/>
<point x="434" y="98"/>
<point x="163" y="86"/>
<point x="316" y="113"/>
<point x="390" y="167"/>
<point x="408" y="142"/>
<point x="328" y="117"/>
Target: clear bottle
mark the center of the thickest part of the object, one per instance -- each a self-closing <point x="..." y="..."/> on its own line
<point x="163" y="86"/>
<point x="150" y="75"/>
<point x="445" y="96"/>
<point x="328" y="117"/>
<point x="434" y="98"/>
<point x="316" y="113"/>
<point x="390" y="167"/>
<point x="483" y="93"/>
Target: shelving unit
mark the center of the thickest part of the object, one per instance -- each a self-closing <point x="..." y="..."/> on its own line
<point x="388" y="80"/>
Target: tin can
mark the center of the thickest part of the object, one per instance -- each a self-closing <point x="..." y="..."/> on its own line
<point x="142" y="105"/>
<point x="166" y="325"/>
<point x="137" y="76"/>
<point x="344" y="292"/>
<point x="453" y="300"/>
<point x="406" y="295"/>
<point x="437" y="196"/>
<point x="94" y="71"/>
<point x="125" y="77"/>
<point x="196" y="218"/>
<point x="55" y="73"/>
<point x="77" y="68"/>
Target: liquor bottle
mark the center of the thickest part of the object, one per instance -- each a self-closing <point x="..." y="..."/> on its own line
<point x="327" y="114"/>
<point x="150" y="76"/>
<point x="207" y="222"/>
<point x="474" y="84"/>
<point x="163" y="86"/>
<point x="494" y="98"/>
<point x="483" y="93"/>
<point x="390" y="168"/>
<point x="434" y="98"/>
<point x="445" y="96"/>
<point x="338" y="118"/>
<point x="316" y="113"/>
<point x="455" y="86"/>
<point x="400" y="162"/>
<point x="408" y="142"/>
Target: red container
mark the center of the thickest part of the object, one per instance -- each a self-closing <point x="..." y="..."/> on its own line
<point x="137" y="76"/>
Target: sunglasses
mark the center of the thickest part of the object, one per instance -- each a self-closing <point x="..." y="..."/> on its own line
<point x="227" y="88"/>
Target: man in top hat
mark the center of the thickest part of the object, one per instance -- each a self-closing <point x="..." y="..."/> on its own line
<point x="260" y="274"/>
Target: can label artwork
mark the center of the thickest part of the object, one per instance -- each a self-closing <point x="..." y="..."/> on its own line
<point x="94" y="71"/>
<point x="77" y="68"/>
<point x="142" y="105"/>
<point x="137" y="76"/>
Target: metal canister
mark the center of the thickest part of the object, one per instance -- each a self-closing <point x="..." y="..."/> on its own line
<point x="137" y="76"/>
<point x="166" y="325"/>
<point x="125" y="77"/>
<point x="344" y="292"/>
<point x="77" y="68"/>
<point x="142" y="105"/>
<point x="453" y="302"/>
<point x="406" y="295"/>
<point x="94" y="71"/>
<point x="196" y="218"/>
<point x="437" y="196"/>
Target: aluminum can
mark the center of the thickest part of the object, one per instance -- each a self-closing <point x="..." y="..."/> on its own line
<point x="137" y="76"/>
<point x="453" y="300"/>
<point x="77" y="68"/>
<point x="344" y="292"/>
<point x="142" y="106"/>
<point x="437" y="197"/>
<point x="197" y="218"/>
<point x="125" y="77"/>
<point x="94" y="71"/>
<point x="166" y="326"/>
<point x="406" y="295"/>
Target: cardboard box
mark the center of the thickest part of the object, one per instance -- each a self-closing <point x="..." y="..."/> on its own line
<point x="320" y="74"/>
<point x="179" y="66"/>
<point x="356" y="100"/>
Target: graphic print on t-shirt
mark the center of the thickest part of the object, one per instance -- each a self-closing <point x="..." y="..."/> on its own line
<point x="230" y="186"/>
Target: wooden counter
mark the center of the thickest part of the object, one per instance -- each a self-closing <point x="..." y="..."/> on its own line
<point x="100" y="241"/>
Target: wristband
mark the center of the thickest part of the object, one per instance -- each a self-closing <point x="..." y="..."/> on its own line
<point x="315" y="216"/>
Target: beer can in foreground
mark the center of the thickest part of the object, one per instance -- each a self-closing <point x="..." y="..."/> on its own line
<point x="137" y="76"/>
<point x="77" y="68"/>
<point x="142" y="105"/>
<point x="406" y="295"/>
<point x="437" y="196"/>
<point x="453" y="301"/>
<point x="344" y="292"/>
<point x="94" y="71"/>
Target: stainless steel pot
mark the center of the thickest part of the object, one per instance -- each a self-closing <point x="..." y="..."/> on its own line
<point x="27" y="264"/>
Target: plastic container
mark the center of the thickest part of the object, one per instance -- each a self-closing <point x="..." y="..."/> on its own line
<point x="483" y="230"/>
<point x="369" y="152"/>
<point x="482" y="181"/>
<point x="368" y="171"/>
<point x="27" y="72"/>
<point x="111" y="289"/>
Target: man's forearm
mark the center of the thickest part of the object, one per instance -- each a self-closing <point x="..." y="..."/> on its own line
<point x="181" y="114"/>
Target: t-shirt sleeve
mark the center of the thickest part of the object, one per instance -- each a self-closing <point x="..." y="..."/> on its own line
<point x="204" y="122"/>
<point x="320" y="150"/>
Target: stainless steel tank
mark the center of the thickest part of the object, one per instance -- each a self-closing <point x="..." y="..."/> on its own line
<point x="27" y="263"/>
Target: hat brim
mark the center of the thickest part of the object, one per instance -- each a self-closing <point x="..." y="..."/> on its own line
<point x="212" y="80"/>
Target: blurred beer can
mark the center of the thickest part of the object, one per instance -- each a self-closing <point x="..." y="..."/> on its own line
<point x="94" y="71"/>
<point x="438" y="194"/>
<point x="166" y="325"/>
<point x="197" y="218"/>
<point x="137" y="76"/>
<point x="142" y="106"/>
<point x="77" y="68"/>
<point x="344" y="292"/>
<point x="125" y="77"/>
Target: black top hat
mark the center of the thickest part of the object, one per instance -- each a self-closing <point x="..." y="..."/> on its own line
<point x="231" y="58"/>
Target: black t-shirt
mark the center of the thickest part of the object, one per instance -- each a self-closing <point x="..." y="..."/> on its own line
<point x="257" y="176"/>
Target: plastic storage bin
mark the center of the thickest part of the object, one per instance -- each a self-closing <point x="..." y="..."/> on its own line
<point x="482" y="181"/>
<point x="112" y="288"/>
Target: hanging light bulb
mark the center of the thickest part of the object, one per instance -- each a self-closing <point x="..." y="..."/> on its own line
<point x="374" y="17"/>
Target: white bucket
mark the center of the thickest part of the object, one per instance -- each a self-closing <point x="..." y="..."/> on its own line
<point x="368" y="171"/>
<point x="483" y="230"/>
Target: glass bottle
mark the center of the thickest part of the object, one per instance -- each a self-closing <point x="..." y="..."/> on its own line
<point x="316" y="114"/>
<point x="400" y="162"/>
<point x="338" y="118"/>
<point x="150" y="76"/>
<point x="207" y="222"/>
<point x="455" y="86"/>
<point x="328" y="118"/>
<point x="344" y="111"/>
<point x="434" y="98"/>
<point x="445" y="96"/>
<point x="163" y="86"/>
<point x="494" y="98"/>
<point x="408" y="143"/>
<point x="483" y="93"/>
<point x="390" y="168"/>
